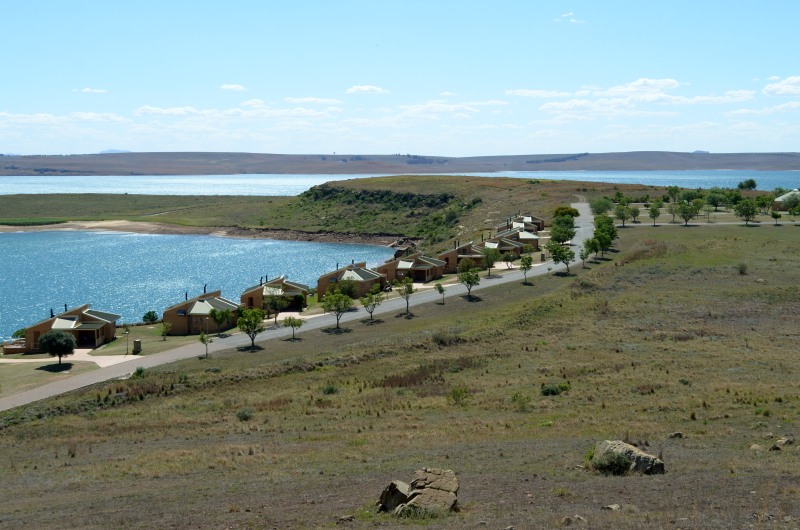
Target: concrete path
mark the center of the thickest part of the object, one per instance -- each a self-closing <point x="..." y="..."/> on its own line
<point x="80" y="355"/>
<point x="584" y="229"/>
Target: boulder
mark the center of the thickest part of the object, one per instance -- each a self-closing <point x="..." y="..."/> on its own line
<point x="431" y="490"/>
<point x="640" y="461"/>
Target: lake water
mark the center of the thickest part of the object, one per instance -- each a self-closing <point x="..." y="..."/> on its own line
<point x="295" y="184"/>
<point x="130" y="274"/>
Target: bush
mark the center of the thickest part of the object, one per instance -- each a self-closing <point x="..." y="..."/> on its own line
<point x="612" y="464"/>
<point x="521" y="401"/>
<point x="742" y="268"/>
<point x="329" y="389"/>
<point x="244" y="414"/>
<point x="139" y="373"/>
<point x="555" y="390"/>
<point x="458" y="395"/>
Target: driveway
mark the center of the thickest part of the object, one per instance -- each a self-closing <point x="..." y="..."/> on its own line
<point x="584" y="229"/>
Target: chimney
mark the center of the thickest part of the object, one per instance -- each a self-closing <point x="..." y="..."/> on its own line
<point x="186" y="295"/>
<point x="65" y="308"/>
<point x="337" y="265"/>
<point x="204" y="288"/>
<point x="266" y="277"/>
<point x="261" y="281"/>
<point x="51" y="313"/>
<point x="352" y="262"/>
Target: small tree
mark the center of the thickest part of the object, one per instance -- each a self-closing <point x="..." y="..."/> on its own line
<point x="440" y="289"/>
<point x="372" y="300"/>
<point x="525" y="265"/>
<point x="593" y="246"/>
<point x="776" y="216"/>
<point x="707" y="211"/>
<point x="600" y="205"/>
<point x="560" y="254"/>
<point x="672" y="209"/>
<point x="338" y="304"/>
<point x="206" y="340"/>
<point x="57" y="343"/>
<point x="220" y="317"/>
<point x="508" y="259"/>
<point x="746" y="210"/>
<point x="655" y="213"/>
<point x="749" y="184"/>
<point x="490" y="257"/>
<point x="151" y="317"/>
<point x="635" y="213"/>
<point x="623" y="213"/>
<point x="470" y="279"/>
<point x="566" y="210"/>
<point x="251" y="322"/>
<point x="294" y="323"/>
<point x="584" y="255"/>
<point x="687" y="212"/>
<point x="562" y="229"/>
<point x="19" y="334"/>
<point x="165" y="329"/>
<point x="405" y="288"/>
<point x="275" y="304"/>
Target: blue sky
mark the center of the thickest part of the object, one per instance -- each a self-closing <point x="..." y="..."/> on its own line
<point x="451" y="78"/>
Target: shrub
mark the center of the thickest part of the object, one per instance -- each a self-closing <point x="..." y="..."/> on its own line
<point x="329" y="389"/>
<point x="555" y="390"/>
<point x="139" y="373"/>
<point x="458" y="395"/>
<point x="611" y="464"/>
<point x="742" y="268"/>
<point x="244" y="414"/>
<point x="521" y="401"/>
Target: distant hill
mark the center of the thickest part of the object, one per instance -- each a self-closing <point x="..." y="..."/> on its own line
<point x="123" y="163"/>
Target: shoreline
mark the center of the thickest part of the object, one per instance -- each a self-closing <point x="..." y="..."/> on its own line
<point x="139" y="227"/>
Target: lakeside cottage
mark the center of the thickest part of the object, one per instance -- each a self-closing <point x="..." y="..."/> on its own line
<point x="418" y="267"/>
<point x="295" y="294"/>
<point x="778" y="203"/>
<point x="364" y="279"/>
<point x="192" y="316"/>
<point x="90" y="327"/>
<point x="459" y="253"/>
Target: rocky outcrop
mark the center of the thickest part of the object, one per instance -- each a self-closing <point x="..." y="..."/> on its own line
<point x="641" y="462"/>
<point x="431" y="489"/>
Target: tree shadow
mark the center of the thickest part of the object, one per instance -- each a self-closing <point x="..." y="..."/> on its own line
<point x="407" y="316"/>
<point x="336" y="331"/>
<point x="752" y="226"/>
<point x="293" y="339"/>
<point x="250" y="348"/>
<point x="690" y="226"/>
<point x="368" y="322"/>
<point x="527" y="283"/>
<point x="472" y="298"/>
<point x="563" y="274"/>
<point x="56" y="368"/>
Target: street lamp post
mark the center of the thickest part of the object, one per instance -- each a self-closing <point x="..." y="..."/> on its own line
<point x="126" y="342"/>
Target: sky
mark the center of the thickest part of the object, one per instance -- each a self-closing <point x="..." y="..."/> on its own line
<point x="448" y="78"/>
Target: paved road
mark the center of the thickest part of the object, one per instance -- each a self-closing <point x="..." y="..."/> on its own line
<point x="584" y="227"/>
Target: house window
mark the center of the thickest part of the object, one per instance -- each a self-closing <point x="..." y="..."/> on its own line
<point x="181" y="312"/>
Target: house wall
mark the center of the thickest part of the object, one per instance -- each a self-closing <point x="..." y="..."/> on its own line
<point x="183" y="324"/>
<point x="33" y="333"/>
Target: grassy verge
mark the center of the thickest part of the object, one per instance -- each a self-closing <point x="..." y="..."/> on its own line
<point x="667" y="335"/>
<point x="20" y="377"/>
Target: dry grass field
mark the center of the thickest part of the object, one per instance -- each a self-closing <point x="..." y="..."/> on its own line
<point x="680" y="329"/>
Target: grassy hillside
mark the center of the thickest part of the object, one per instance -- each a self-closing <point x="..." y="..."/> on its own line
<point x="435" y="208"/>
<point x="667" y="335"/>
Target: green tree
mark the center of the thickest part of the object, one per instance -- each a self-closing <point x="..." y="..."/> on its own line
<point x="672" y="193"/>
<point x="441" y="290"/>
<point x="592" y="246"/>
<point x="151" y="317"/>
<point x="584" y="255"/>
<point x="603" y="242"/>
<point x="623" y="213"/>
<point x="470" y="279"/>
<point x="57" y="343"/>
<point x="562" y="229"/>
<point x="604" y="224"/>
<point x="525" y="265"/>
<point x="466" y="265"/>
<point x="338" y="304"/>
<point x="490" y="257"/>
<point x="19" y="334"/>
<point x="164" y="329"/>
<point x="707" y="211"/>
<point x="348" y="287"/>
<point x="560" y="254"/>
<point x="655" y="213"/>
<point x="220" y="317"/>
<point x="776" y="216"/>
<point x="566" y="210"/>
<point x="251" y="322"/>
<point x="746" y="209"/>
<point x="600" y="205"/>
<point x="274" y="304"/>
<point x="763" y="202"/>
<point x="749" y="184"/>
<point x="792" y="201"/>
<point x="372" y="300"/>
<point x="686" y="211"/>
<point x="672" y="209"/>
<point x="294" y="323"/>
<point x="206" y="340"/>
<point x="405" y="288"/>
<point x="508" y="259"/>
<point x="715" y="199"/>
<point x="635" y="213"/>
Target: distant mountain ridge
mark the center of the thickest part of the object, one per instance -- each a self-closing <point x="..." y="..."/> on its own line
<point x="205" y="163"/>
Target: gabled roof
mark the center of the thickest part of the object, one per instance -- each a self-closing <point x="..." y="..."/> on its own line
<point x="65" y="323"/>
<point x="71" y="319"/>
<point x="360" y="275"/>
<point x="280" y="286"/>
<point x="787" y="195"/>
<point x="102" y="315"/>
<point x="204" y="307"/>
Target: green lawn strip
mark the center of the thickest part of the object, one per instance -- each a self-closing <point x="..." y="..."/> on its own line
<point x="16" y="378"/>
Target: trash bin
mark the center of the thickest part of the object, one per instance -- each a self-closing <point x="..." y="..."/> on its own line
<point x="543" y="259"/>
<point x="137" y="346"/>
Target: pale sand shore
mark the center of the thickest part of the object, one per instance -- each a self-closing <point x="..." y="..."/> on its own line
<point x="238" y="232"/>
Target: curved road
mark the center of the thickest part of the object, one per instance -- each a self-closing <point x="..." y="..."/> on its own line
<point x="584" y="228"/>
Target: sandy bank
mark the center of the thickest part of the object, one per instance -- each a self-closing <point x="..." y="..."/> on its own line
<point x="245" y="233"/>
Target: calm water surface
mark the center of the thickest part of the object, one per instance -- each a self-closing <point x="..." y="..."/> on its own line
<point x="286" y="185"/>
<point x="130" y="274"/>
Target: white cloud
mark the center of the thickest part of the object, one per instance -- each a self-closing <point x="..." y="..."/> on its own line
<point x="159" y="111"/>
<point x="447" y="94"/>
<point x="237" y="88"/>
<point x="786" y="107"/>
<point x="322" y="101"/>
<point x="788" y="87"/>
<point x="88" y="90"/>
<point x="536" y="93"/>
<point x="257" y="103"/>
<point x="366" y="89"/>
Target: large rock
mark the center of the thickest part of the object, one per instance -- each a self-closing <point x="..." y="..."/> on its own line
<point x="431" y="489"/>
<point x="640" y="461"/>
